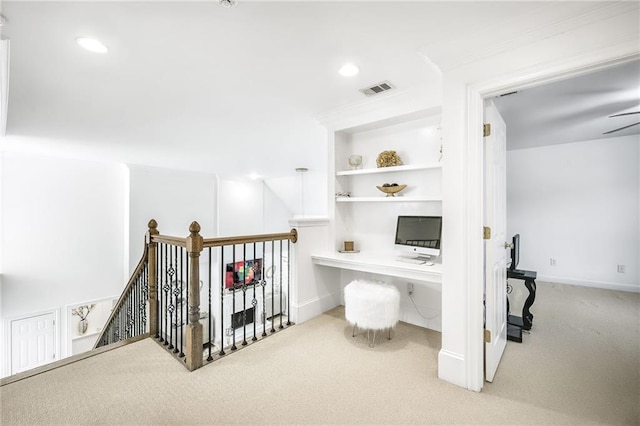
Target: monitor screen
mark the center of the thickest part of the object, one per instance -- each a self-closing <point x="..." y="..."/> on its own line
<point x="419" y="235"/>
<point x="515" y="252"/>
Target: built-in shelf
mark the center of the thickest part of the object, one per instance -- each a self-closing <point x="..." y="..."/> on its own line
<point x="383" y="199"/>
<point x="404" y="168"/>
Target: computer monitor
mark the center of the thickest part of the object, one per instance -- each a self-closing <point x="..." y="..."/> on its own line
<point x="515" y="252"/>
<point x="418" y="236"/>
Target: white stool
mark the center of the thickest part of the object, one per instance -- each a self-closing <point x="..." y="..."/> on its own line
<point x="371" y="306"/>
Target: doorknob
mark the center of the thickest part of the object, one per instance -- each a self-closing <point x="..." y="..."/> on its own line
<point x="508" y="245"/>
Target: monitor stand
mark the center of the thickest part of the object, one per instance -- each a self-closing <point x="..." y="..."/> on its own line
<point x="418" y="260"/>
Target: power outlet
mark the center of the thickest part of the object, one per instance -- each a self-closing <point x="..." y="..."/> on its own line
<point x="621" y="269"/>
<point x="552" y="262"/>
<point x="410" y="289"/>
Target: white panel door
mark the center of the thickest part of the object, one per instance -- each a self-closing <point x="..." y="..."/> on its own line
<point x="495" y="217"/>
<point x="32" y="342"/>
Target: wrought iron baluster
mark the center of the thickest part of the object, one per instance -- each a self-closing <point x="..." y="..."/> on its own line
<point x="263" y="284"/>
<point x="167" y="296"/>
<point x="210" y="328"/>
<point x="139" y="286"/>
<point x="222" y="282"/>
<point x="244" y="294"/>
<point x="130" y="320"/>
<point x="281" y="326"/>
<point x="182" y="303"/>
<point x="136" y="313"/>
<point x="254" y="301"/>
<point x="273" y="285"/>
<point x="119" y="329"/>
<point x="136" y="301"/>
<point x="145" y="301"/>
<point x="188" y="278"/>
<point x="233" y="302"/>
<point x="156" y="291"/>
<point x="288" y="282"/>
<point x="161" y="295"/>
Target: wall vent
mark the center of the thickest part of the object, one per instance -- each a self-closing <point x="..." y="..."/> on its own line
<point x="378" y="88"/>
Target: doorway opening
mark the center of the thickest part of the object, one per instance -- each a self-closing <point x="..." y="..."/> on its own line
<point x="484" y="94"/>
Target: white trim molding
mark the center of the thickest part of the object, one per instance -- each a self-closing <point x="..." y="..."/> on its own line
<point x="453" y="362"/>
<point x="4" y="85"/>
<point x="312" y="308"/>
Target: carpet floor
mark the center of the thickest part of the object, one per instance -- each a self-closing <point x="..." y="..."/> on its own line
<point x="579" y="365"/>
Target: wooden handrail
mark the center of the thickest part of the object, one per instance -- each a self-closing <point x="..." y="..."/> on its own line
<point x="167" y="239"/>
<point x="224" y="241"/>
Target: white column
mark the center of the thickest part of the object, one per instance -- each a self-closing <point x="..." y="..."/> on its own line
<point x="460" y="358"/>
<point x="315" y="289"/>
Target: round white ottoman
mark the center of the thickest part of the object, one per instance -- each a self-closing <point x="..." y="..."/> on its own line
<point x="371" y="305"/>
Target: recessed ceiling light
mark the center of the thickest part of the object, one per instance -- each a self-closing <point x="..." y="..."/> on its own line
<point x="91" y="44"/>
<point x="348" y="70"/>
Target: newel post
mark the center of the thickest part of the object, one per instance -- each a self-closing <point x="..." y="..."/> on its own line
<point x="153" y="277"/>
<point x="194" y="328"/>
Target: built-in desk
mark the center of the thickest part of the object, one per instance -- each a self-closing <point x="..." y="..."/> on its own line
<point x="380" y="264"/>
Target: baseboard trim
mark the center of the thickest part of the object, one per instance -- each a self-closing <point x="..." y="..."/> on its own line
<point x="452" y="368"/>
<point x="595" y="284"/>
<point x="314" y="307"/>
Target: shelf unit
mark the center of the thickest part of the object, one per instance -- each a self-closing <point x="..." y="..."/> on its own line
<point x="367" y="216"/>
<point x="404" y="168"/>
<point x="383" y="199"/>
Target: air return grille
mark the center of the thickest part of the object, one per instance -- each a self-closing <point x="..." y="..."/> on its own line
<point x="377" y="89"/>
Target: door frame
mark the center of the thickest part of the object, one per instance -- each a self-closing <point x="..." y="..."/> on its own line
<point x="474" y="164"/>
<point x="9" y="338"/>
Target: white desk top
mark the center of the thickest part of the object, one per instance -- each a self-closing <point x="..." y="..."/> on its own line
<point x="380" y="264"/>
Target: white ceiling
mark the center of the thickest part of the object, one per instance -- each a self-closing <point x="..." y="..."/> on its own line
<point x="573" y="110"/>
<point x="196" y="86"/>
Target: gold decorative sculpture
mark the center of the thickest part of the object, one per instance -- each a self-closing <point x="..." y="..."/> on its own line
<point x="388" y="159"/>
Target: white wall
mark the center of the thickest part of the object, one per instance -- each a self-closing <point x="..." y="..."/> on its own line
<point x="62" y="221"/>
<point x="276" y="212"/>
<point x="174" y="199"/>
<point x="241" y="204"/>
<point x="304" y="194"/>
<point x="250" y="207"/>
<point x="578" y="204"/>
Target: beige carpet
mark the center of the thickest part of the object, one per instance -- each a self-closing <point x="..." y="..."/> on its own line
<point x="580" y="365"/>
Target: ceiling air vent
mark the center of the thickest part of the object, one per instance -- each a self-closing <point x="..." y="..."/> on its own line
<point x="378" y="88"/>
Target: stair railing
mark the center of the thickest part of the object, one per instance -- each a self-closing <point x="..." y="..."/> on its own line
<point x="163" y="297"/>
<point x="130" y="315"/>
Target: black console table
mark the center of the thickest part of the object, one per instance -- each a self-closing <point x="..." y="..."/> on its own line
<point x="516" y="324"/>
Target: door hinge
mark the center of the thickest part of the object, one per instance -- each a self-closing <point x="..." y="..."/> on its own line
<point x="486" y="232"/>
<point x="486" y="129"/>
<point x="487" y="336"/>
